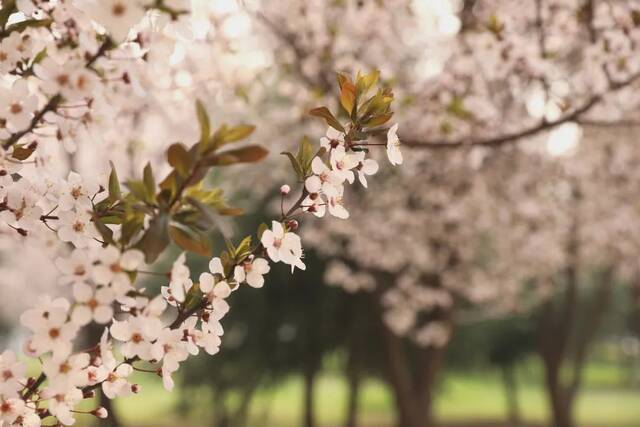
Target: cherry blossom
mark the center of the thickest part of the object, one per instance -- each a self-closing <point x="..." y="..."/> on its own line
<point x="17" y="106"/>
<point x="12" y="373"/>
<point x="92" y="305"/>
<point x="76" y="268"/>
<point x="76" y="227"/>
<point x="76" y="193"/>
<point x="283" y="246"/>
<point x="393" y="146"/>
<point x="50" y="326"/>
<point x="115" y="266"/>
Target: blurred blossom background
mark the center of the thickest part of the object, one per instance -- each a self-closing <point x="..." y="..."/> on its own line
<point x="493" y="280"/>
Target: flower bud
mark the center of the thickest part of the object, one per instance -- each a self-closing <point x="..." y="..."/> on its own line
<point x="292" y="225"/>
<point x="100" y="412"/>
<point x="285" y="189"/>
<point x="136" y="388"/>
<point x="88" y="394"/>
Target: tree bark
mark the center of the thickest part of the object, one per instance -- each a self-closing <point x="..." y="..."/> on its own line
<point x="413" y="393"/>
<point x="310" y="374"/>
<point x="558" y="330"/>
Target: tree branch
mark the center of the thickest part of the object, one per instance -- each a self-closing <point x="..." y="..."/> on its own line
<point x="508" y="138"/>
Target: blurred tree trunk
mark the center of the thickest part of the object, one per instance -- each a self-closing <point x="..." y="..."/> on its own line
<point x="568" y="326"/>
<point x="356" y="358"/>
<point x="413" y="391"/>
<point x="413" y="388"/>
<point x="354" y="381"/>
<point x="310" y="375"/>
<point x="220" y="414"/>
<point x="566" y="330"/>
<point x="511" y="395"/>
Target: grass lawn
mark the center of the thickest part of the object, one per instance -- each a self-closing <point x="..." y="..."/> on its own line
<point x="469" y="399"/>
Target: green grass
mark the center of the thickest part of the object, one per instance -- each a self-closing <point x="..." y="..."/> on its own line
<point x="462" y="397"/>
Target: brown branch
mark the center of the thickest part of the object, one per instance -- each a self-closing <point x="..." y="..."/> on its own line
<point x="50" y="106"/>
<point x="508" y="138"/>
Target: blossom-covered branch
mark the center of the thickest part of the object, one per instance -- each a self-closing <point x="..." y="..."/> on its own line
<point x="118" y="229"/>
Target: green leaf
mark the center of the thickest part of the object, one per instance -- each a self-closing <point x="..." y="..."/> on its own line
<point x="156" y="239"/>
<point x="244" y="249"/>
<point x="305" y="156"/>
<point x="366" y="82"/>
<point x="193" y="297"/>
<point x="140" y="191"/>
<point x="205" y="125"/>
<point x="324" y="113"/>
<point x="238" y="133"/>
<point x="248" y="154"/>
<point x="105" y="232"/>
<point x="296" y="164"/>
<point x="193" y="242"/>
<point x="149" y="182"/>
<point x="378" y="120"/>
<point x="39" y="56"/>
<point x="133" y="223"/>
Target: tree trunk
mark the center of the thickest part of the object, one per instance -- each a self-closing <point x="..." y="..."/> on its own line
<point x="309" y="385"/>
<point x="354" y="381"/>
<point x="413" y="393"/>
<point x="560" y="401"/>
<point x="511" y="395"/>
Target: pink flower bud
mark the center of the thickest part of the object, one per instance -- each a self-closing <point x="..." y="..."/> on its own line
<point x="136" y="388"/>
<point x="285" y="189"/>
<point x="292" y="225"/>
<point x="100" y="412"/>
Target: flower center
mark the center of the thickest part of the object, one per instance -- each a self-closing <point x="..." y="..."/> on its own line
<point x="62" y="79"/>
<point x="119" y="9"/>
<point x="7" y="375"/>
<point x="92" y="304"/>
<point x="16" y="108"/>
<point x="76" y="192"/>
<point x="78" y="227"/>
<point x="6" y="407"/>
<point x="65" y="368"/>
<point x="277" y="243"/>
<point x="81" y="82"/>
<point x="79" y="270"/>
<point x="3" y="56"/>
<point x="136" y="338"/>
<point x="54" y="333"/>
<point x="116" y="268"/>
